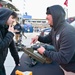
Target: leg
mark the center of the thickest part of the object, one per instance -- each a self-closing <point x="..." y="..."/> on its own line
<point x="67" y="73"/>
<point x="17" y="37"/>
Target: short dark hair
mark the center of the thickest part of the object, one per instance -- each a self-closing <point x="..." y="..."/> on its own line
<point x="48" y="10"/>
<point x="14" y="14"/>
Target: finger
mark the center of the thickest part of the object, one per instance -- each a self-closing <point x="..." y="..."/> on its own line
<point x="31" y="42"/>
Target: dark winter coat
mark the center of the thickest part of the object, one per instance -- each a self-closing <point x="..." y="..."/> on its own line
<point x="62" y="36"/>
<point x="6" y="38"/>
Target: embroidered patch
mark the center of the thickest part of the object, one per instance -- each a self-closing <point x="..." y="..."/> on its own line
<point x="57" y="37"/>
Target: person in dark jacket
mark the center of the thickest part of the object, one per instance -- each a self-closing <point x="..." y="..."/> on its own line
<point x="62" y="37"/>
<point x="7" y="18"/>
<point x="18" y="30"/>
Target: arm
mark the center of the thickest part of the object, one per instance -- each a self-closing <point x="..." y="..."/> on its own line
<point x="6" y="41"/>
<point x="45" y="39"/>
<point x="67" y="48"/>
<point x="14" y="52"/>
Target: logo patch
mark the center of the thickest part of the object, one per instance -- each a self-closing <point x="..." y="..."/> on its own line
<point x="57" y="37"/>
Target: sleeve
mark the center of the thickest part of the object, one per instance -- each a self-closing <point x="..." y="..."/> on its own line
<point x="14" y="52"/>
<point x="66" y="50"/>
<point x="45" y="39"/>
<point x="6" y="41"/>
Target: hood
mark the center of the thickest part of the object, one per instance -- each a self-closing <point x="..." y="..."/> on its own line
<point x="58" y="15"/>
<point x="4" y="15"/>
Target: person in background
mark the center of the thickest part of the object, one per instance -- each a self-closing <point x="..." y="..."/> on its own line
<point x="7" y="18"/>
<point x="62" y="37"/>
<point x="18" y="30"/>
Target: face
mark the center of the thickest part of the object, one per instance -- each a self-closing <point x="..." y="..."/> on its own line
<point x="11" y="20"/>
<point x="50" y="20"/>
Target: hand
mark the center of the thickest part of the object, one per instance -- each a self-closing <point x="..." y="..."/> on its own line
<point x="11" y="29"/>
<point x="34" y="40"/>
<point x="18" y="64"/>
<point x="41" y="50"/>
